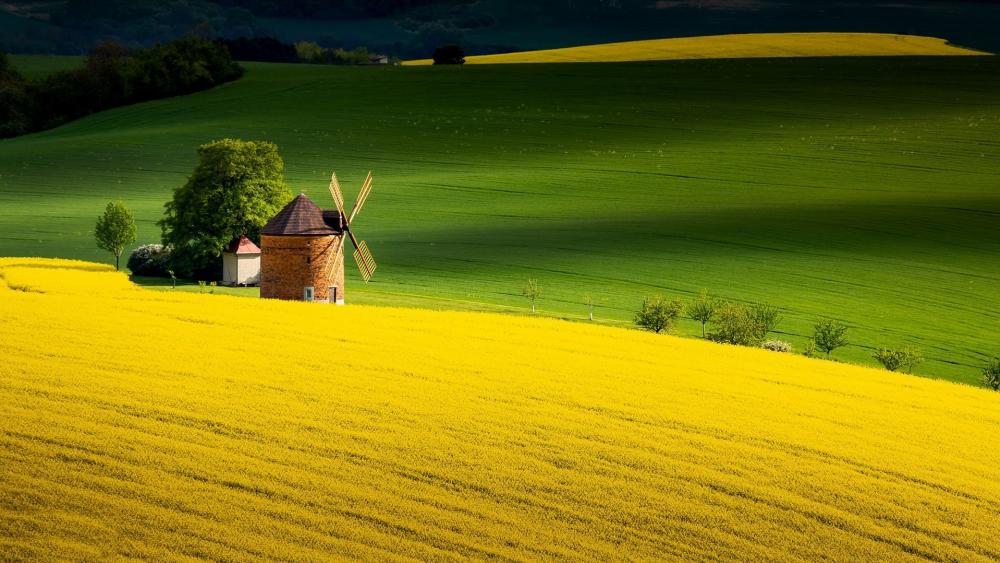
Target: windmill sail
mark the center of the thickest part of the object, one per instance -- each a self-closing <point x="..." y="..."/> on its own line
<point x="366" y="188"/>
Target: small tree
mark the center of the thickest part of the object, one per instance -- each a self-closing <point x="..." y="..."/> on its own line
<point x="736" y="323"/>
<point x="115" y="230"/>
<point x="532" y="291"/>
<point x="889" y="359"/>
<point x="810" y="350"/>
<point x="588" y="300"/>
<point x="829" y="335"/>
<point x="703" y="309"/>
<point x="766" y="317"/>
<point x="912" y="357"/>
<point x="449" y="55"/>
<point x="899" y="360"/>
<point x="657" y="314"/>
<point x="991" y="374"/>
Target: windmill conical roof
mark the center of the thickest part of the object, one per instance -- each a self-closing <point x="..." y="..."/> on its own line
<point x="300" y="217"/>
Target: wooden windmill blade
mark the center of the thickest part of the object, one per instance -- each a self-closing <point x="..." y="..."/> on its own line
<point x="367" y="257"/>
<point x="366" y="189"/>
<point x="336" y="194"/>
<point x="363" y="258"/>
<point x="365" y="261"/>
<point x="331" y="265"/>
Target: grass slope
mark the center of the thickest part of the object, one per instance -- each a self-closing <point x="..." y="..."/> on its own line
<point x="740" y="46"/>
<point x="40" y="66"/>
<point x="861" y="189"/>
<point x="140" y="424"/>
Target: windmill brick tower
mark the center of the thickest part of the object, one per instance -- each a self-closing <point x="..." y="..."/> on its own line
<point x="302" y="249"/>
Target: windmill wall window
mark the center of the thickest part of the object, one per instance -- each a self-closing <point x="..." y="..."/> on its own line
<point x="307" y="295"/>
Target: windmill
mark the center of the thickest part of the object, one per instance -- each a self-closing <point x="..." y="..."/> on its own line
<point x="362" y="256"/>
<point x="302" y="248"/>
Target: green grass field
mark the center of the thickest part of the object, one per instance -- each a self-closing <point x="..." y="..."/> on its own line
<point x="861" y="189"/>
<point x="40" y="66"/>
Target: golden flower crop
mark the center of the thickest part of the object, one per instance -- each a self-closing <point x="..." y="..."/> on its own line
<point x="162" y="425"/>
<point x="737" y="46"/>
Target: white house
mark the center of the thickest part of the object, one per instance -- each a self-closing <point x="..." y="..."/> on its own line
<point x="241" y="262"/>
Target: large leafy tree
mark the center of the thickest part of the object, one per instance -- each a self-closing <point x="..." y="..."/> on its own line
<point x="235" y="189"/>
<point x="115" y="230"/>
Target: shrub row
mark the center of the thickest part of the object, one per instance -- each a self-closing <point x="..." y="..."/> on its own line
<point x="734" y="323"/>
<point x="112" y="76"/>
<point x="312" y="53"/>
<point x="749" y="325"/>
<point x="271" y="50"/>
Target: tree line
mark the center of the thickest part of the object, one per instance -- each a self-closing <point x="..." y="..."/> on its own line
<point x="744" y="324"/>
<point x="272" y="50"/>
<point x="111" y="76"/>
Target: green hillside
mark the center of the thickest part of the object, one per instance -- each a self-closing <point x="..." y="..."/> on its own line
<point x="40" y="66"/>
<point x="861" y="189"/>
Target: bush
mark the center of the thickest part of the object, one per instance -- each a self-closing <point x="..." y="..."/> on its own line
<point x="899" y="360"/>
<point x="828" y="335"/>
<point x="777" y="346"/>
<point x="150" y="260"/>
<point x="310" y="52"/>
<point x="766" y="316"/>
<point x="738" y="324"/>
<point x="991" y="374"/>
<point x="810" y="350"/>
<point x="449" y="55"/>
<point x="744" y="325"/>
<point x="657" y="314"/>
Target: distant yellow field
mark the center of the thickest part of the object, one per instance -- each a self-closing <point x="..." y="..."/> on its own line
<point x="742" y="46"/>
<point x="154" y="425"/>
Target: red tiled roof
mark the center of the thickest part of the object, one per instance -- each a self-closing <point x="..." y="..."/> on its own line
<point x="243" y="245"/>
<point x="300" y="217"/>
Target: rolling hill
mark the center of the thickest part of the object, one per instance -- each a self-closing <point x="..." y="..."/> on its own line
<point x="737" y="46"/>
<point x="152" y="425"/>
<point x="39" y="66"/>
<point x="863" y="189"/>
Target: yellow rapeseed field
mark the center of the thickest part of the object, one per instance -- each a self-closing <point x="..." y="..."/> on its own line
<point x="160" y="425"/>
<point x="738" y="46"/>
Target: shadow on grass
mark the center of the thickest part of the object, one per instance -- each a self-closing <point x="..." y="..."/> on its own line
<point x="192" y="286"/>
